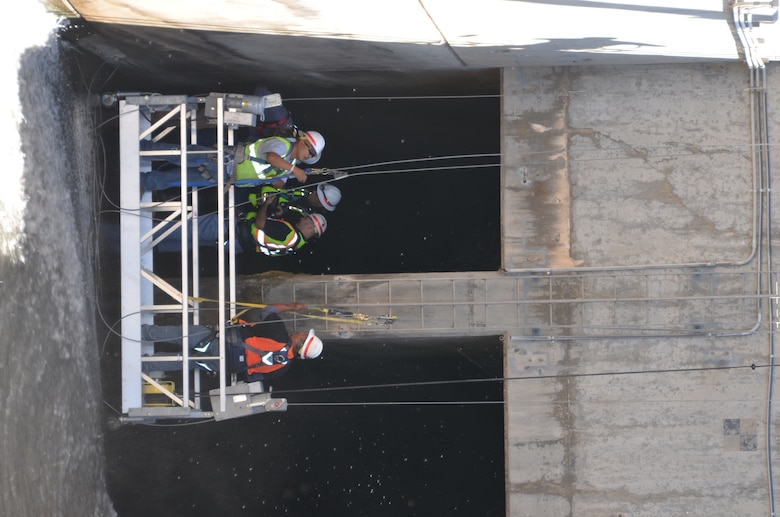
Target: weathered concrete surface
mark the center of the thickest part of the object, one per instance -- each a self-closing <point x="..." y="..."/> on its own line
<point x="773" y="121"/>
<point x="602" y="164"/>
<point x="324" y="42"/>
<point x="659" y="163"/>
<point x="653" y="443"/>
<point x="454" y="33"/>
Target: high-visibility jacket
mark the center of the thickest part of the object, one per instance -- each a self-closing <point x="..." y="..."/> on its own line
<point x="264" y="355"/>
<point x="274" y="241"/>
<point x="290" y="205"/>
<point x="261" y="346"/>
<point x="279" y="237"/>
<point x="255" y="167"/>
<point x="284" y="196"/>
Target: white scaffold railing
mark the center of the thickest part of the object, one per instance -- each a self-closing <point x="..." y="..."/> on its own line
<point x="144" y="224"/>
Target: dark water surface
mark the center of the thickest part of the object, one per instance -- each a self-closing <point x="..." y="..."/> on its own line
<point x="352" y="459"/>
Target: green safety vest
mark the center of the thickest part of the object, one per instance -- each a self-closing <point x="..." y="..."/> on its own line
<point x="254" y="167"/>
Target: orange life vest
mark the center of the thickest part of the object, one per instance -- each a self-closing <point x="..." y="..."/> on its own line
<point x="264" y="355"/>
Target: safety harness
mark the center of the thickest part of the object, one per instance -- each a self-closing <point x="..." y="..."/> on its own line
<point x="258" y="354"/>
<point x="262" y="169"/>
<point x="259" y="361"/>
<point x="250" y="237"/>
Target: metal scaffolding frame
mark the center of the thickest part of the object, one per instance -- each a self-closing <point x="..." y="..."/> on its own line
<point x="144" y="224"/>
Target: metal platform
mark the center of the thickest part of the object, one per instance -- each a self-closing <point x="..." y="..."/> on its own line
<point x="144" y="224"/>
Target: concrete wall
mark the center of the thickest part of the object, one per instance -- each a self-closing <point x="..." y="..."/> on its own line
<point x="671" y="417"/>
<point x="603" y="164"/>
<point x="453" y="33"/>
<point x="319" y="40"/>
<point x="587" y="437"/>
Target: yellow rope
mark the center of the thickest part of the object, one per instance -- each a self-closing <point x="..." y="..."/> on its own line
<point x="338" y="316"/>
<point x="240" y="304"/>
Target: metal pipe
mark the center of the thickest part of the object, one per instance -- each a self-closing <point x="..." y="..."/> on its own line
<point x="185" y="340"/>
<point x="220" y="254"/>
<point x="759" y="126"/>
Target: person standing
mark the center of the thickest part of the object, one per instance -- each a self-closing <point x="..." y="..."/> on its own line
<point x="255" y="232"/>
<point x="258" y="347"/>
<point x="275" y="236"/>
<point x="267" y="161"/>
<point x="322" y="198"/>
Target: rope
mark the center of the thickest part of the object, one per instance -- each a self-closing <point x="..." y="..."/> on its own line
<point x="320" y="313"/>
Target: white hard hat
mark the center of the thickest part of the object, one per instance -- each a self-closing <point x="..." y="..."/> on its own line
<point x="320" y="223"/>
<point x="317" y="141"/>
<point x="312" y="346"/>
<point x="329" y="196"/>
